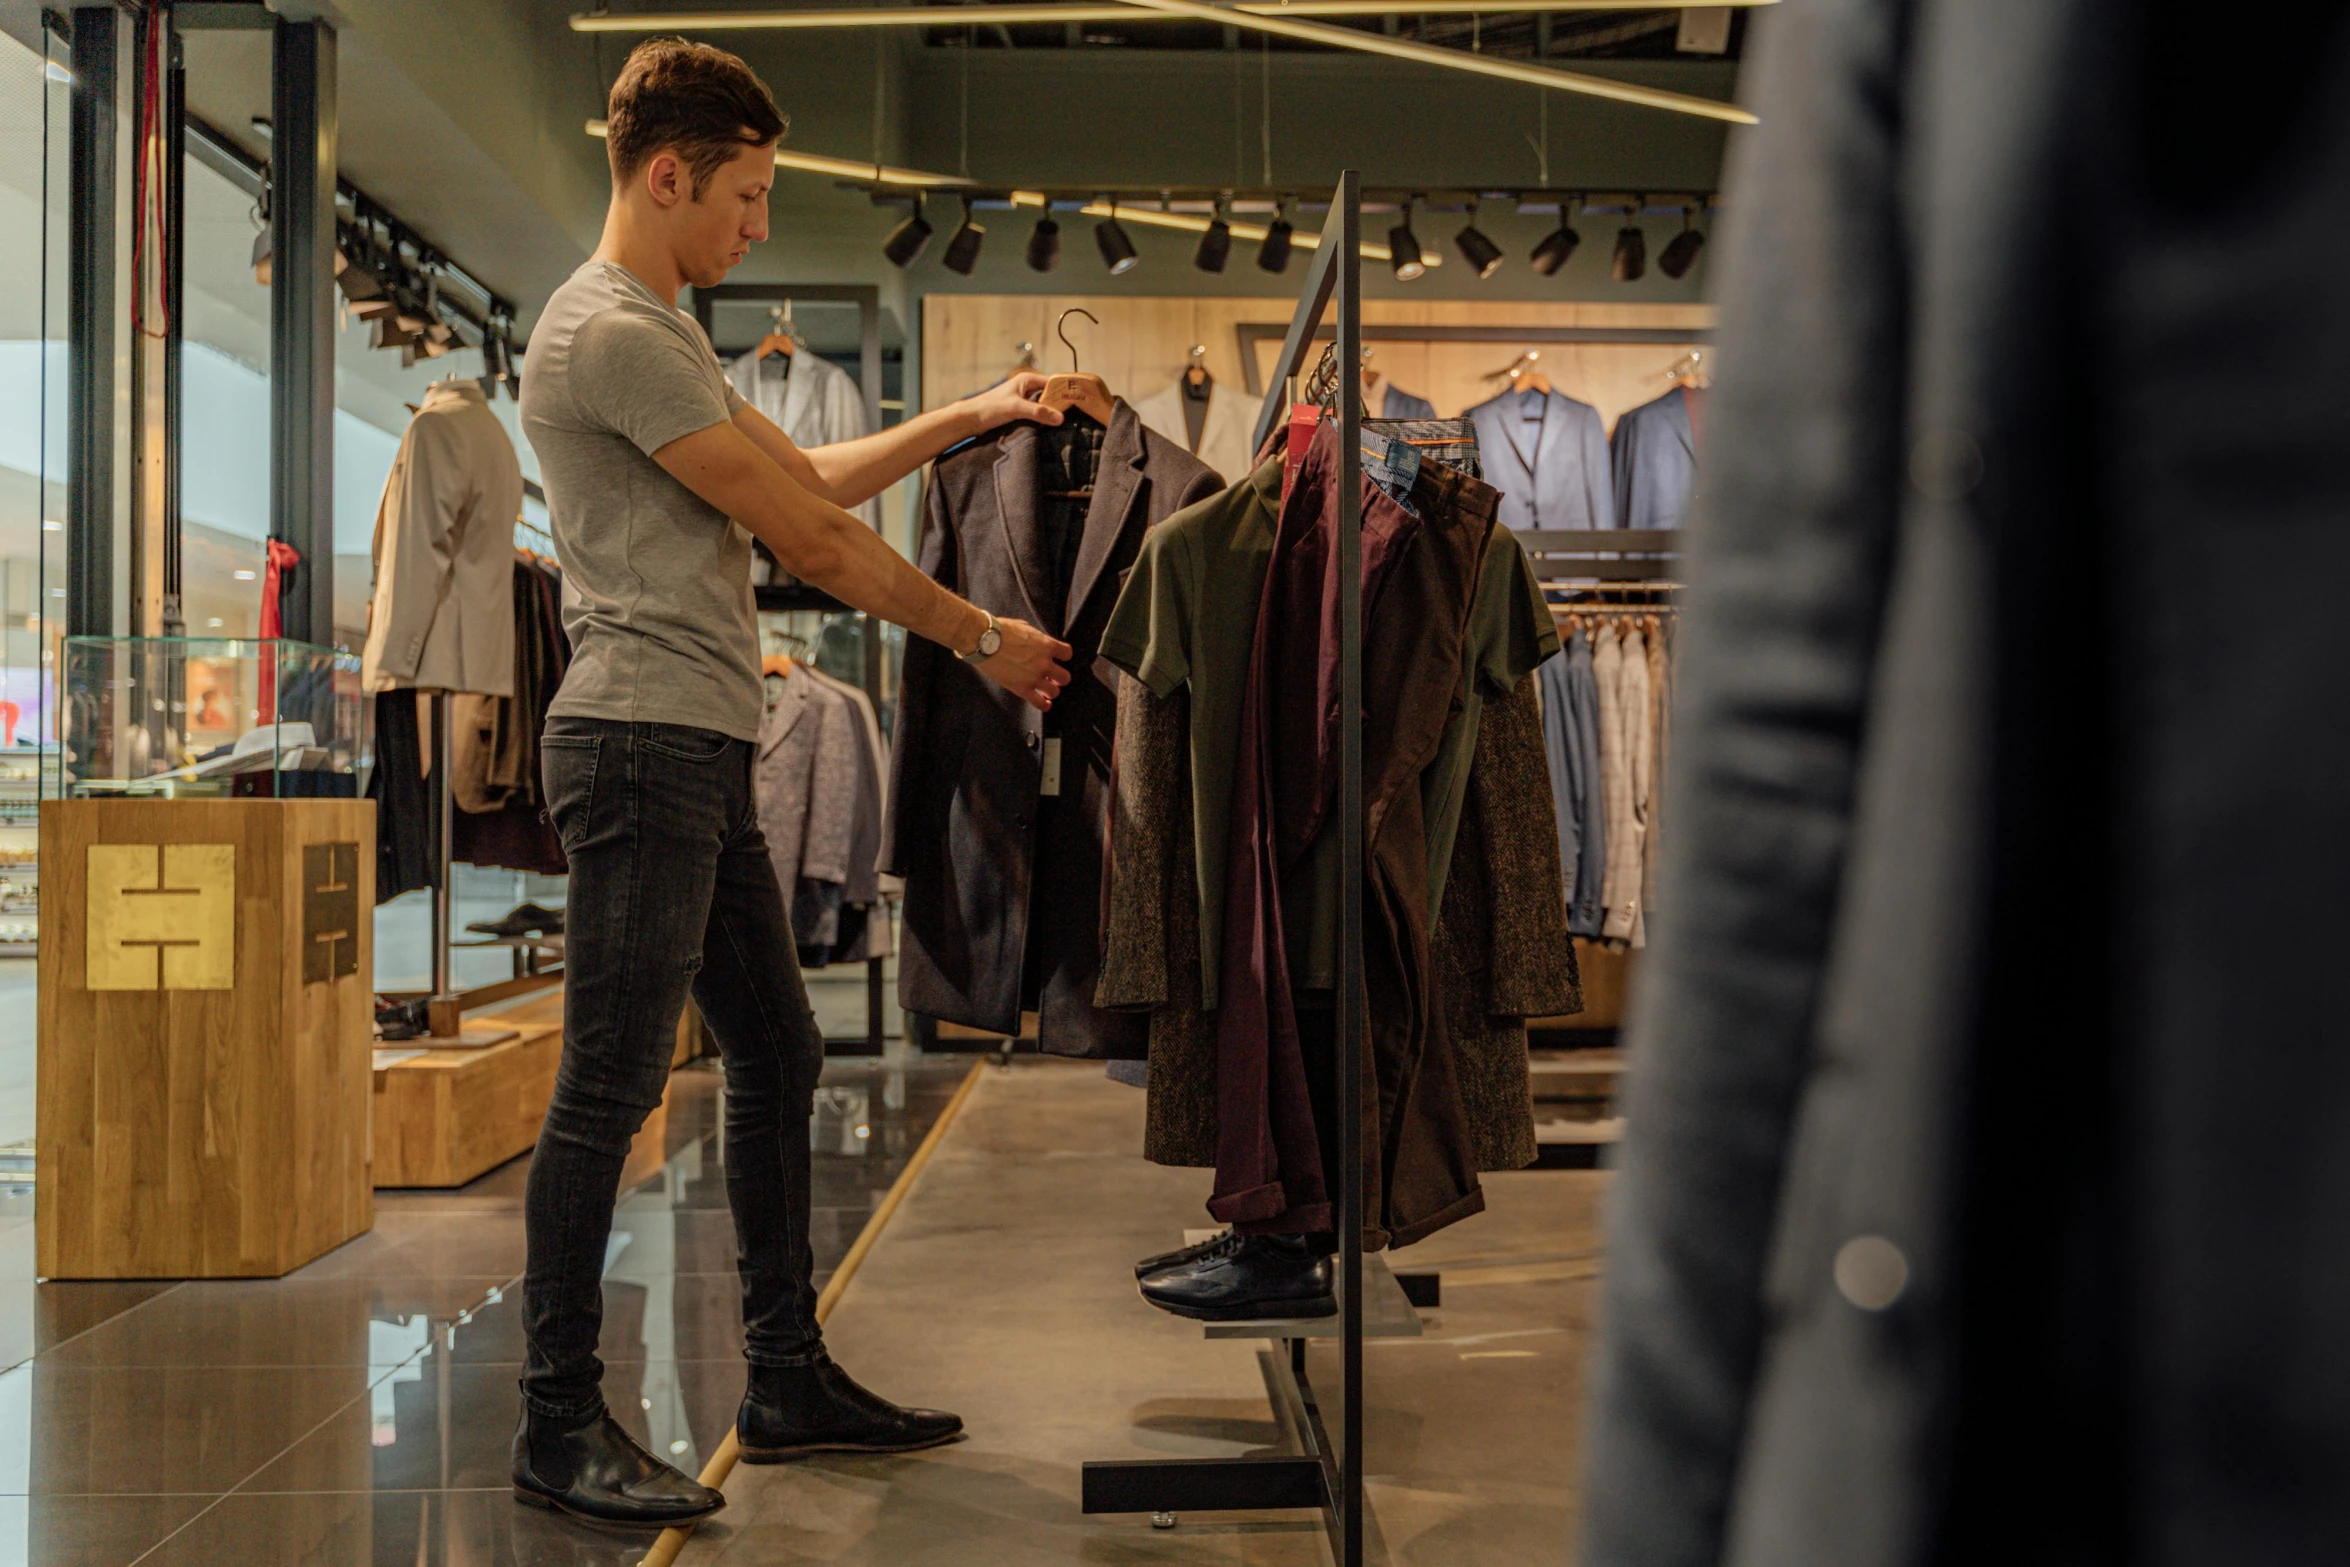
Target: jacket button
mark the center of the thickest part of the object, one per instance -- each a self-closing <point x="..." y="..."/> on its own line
<point x="1871" y="1272"/>
<point x="1033" y="738"/>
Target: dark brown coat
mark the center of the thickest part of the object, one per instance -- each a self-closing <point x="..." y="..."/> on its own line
<point x="1003" y="884"/>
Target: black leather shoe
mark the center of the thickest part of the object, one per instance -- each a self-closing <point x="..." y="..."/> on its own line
<point x="791" y="1411"/>
<point x="524" y="919"/>
<point x="1176" y="1259"/>
<point x="1258" y="1276"/>
<point x="597" y="1471"/>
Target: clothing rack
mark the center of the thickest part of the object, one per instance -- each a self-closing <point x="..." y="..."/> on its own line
<point x="1328" y="1474"/>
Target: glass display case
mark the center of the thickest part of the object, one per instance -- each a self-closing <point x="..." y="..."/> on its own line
<point x="212" y="718"/>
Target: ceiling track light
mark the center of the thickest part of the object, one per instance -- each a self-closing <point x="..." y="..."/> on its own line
<point x="909" y="239"/>
<point x="1681" y="252"/>
<point x="1044" y="245"/>
<point x="962" y="254"/>
<point x="1631" y="261"/>
<point x="1273" y="253"/>
<point x="1215" y="243"/>
<point x="1403" y="247"/>
<point x="1558" y="245"/>
<point x="1117" y="248"/>
<point x="1476" y="247"/>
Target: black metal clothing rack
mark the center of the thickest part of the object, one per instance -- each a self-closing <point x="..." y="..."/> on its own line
<point x="1328" y="1473"/>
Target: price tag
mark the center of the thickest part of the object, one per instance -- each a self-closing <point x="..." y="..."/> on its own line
<point x="1052" y="767"/>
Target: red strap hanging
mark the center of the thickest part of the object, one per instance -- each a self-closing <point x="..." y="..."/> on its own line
<point x="276" y="579"/>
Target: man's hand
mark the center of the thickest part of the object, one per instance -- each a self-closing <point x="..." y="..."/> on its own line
<point x="1027" y="664"/>
<point x="1016" y="399"/>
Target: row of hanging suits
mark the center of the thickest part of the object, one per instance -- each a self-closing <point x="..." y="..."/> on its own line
<point x="1558" y="468"/>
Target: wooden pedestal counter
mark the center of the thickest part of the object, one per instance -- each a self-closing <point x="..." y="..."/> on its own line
<point x="444" y="1117"/>
<point x="204" y="1035"/>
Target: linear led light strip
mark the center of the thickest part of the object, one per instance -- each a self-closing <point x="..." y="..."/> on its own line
<point x="1149" y="217"/>
<point x="1253" y="15"/>
<point x="846" y="168"/>
<point x="1010" y="15"/>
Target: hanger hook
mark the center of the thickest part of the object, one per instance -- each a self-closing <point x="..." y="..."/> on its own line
<point x="1060" y="330"/>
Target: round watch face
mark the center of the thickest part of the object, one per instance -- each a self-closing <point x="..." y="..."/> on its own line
<point x="991" y="642"/>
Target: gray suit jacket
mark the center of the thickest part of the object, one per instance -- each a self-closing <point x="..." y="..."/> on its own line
<point x="1547" y="454"/>
<point x="1984" y="1178"/>
<point x="805" y="776"/>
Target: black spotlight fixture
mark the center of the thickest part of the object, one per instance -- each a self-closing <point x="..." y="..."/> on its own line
<point x="907" y="241"/>
<point x="1680" y="253"/>
<point x="1403" y="247"/>
<point x="1044" y="245"/>
<point x="1117" y="250"/>
<point x="963" y="245"/>
<point x="1631" y="246"/>
<point x="1476" y="247"/>
<point x="1558" y="246"/>
<point x="1273" y="254"/>
<point x="1215" y="244"/>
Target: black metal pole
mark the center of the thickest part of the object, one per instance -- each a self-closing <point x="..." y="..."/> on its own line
<point x="175" y="295"/>
<point x="302" y="320"/>
<point x="869" y="366"/>
<point x="1351" y="1022"/>
<point x="90" y="335"/>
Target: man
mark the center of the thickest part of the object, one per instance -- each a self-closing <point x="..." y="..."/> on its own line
<point x="658" y="476"/>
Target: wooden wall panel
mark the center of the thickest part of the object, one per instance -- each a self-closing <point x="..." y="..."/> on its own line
<point x="970" y="341"/>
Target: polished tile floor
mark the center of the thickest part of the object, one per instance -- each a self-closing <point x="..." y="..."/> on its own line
<point x="359" y="1410"/>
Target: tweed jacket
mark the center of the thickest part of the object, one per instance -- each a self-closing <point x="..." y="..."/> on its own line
<point x="1003" y="882"/>
<point x="804" y="775"/>
<point x="1501" y="950"/>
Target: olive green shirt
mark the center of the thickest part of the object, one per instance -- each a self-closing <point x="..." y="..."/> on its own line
<point x="1187" y="617"/>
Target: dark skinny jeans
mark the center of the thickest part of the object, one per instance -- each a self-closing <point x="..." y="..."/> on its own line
<point x="671" y="890"/>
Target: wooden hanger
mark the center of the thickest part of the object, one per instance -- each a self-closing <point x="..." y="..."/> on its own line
<point x="1523" y="375"/>
<point x="783" y="340"/>
<point x="1195" y="372"/>
<point x="1088" y="394"/>
<point x="1689" y="370"/>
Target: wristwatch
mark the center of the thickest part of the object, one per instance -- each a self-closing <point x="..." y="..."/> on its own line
<point x="991" y="642"/>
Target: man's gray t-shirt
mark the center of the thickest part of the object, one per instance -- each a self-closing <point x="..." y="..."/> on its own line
<point x="662" y="623"/>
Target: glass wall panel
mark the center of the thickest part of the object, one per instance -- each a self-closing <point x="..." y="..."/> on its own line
<point x="32" y="559"/>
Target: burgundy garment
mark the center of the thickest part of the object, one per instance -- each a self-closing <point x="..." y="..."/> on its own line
<point x="1419" y="577"/>
<point x="1419" y="1158"/>
<point x="1269" y="1171"/>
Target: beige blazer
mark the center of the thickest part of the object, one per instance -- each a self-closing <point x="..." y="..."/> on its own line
<point x="1223" y="440"/>
<point x="1621" y="664"/>
<point x="443" y="613"/>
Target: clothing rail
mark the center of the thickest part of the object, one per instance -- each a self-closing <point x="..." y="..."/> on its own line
<point x="1328" y="1475"/>
<point x="1603" y="554"/>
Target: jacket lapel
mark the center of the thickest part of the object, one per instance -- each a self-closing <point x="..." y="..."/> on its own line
<point x="1016" y="481"/>
<point x="1116" y="482"/>
<point x="785" y="715"/>
<point x="798" y="388"/>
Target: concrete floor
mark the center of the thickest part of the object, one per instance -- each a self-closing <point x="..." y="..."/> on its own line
<point x="1002" y="1290"/>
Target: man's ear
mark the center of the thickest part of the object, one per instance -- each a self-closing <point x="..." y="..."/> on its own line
<point x="665" y="179"/>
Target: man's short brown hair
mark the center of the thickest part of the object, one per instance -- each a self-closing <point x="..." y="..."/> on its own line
<point x="701" y="103"/>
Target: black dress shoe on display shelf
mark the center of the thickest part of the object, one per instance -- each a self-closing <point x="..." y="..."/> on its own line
<point x="791" y="1411"/>
<point x="598" y="1471"/>
<point x="1258" y="1276"/>
<point x="524" y="919"/>
<point x="1220" y="1241"/>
